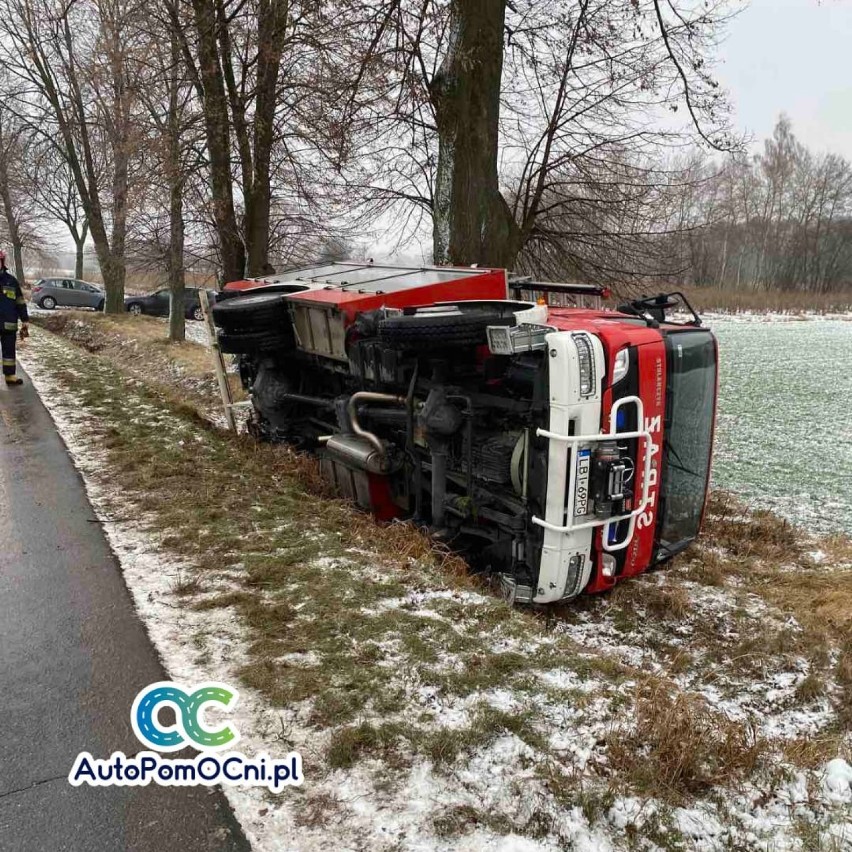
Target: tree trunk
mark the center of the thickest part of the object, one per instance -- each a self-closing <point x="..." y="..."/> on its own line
<point x="271" y="29"/>
<point x="12" y="225"/>
<point x="472" y="222"/>
<point x="231" y="248"/>
<point x="80" y="246"/>
<point x="177" y="280"/>
<point x="18" y="252"/>
<point x="114" y="273"/>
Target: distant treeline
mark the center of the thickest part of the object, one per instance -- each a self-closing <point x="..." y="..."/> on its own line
<point x="776" y="222"/>
<point x="781" y="220"/>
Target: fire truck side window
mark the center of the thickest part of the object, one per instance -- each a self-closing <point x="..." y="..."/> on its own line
<point x="691" y="359"/>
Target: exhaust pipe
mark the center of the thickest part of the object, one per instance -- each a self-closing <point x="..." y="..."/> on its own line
<point x="352" y="413"/>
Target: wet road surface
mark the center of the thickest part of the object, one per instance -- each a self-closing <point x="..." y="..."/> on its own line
<point x="73" y="655"/>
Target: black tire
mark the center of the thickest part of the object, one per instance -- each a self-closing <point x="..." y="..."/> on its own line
<point x="100" y="306"/>
<point x="424" y="332"/>
<point x="252" y="312"/>
<point x="253" y="342"/>
<point x="48" y="303"/>
<point x="135" y="308"/>
<point x="196" y="314"/>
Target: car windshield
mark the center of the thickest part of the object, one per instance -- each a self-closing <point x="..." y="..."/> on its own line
<point x="688" y="442"/>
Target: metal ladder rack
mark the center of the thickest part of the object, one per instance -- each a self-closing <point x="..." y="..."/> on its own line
<point x="219" y="368"/>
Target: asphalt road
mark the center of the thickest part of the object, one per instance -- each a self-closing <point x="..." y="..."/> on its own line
<point x="73" y="655"/>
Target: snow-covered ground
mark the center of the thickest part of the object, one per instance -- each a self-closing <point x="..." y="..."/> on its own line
<point x="574" y="704"/>
<point x="784" y="437"/>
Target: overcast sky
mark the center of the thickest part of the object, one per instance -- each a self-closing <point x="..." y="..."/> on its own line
<point x="792" y="56"/>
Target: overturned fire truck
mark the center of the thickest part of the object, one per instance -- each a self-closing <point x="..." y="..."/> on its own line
<point x="560" y="448"/>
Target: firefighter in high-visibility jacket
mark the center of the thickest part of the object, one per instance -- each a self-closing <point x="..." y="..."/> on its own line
<point x="13" y="308"/>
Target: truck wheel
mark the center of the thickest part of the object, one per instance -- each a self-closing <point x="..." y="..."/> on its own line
<point x="252" y="312"/>
<point x="252" y="342"/>
<point x="422" y="332"/>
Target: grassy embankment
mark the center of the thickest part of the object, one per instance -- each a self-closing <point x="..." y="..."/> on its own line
<point x="668" y="678"/>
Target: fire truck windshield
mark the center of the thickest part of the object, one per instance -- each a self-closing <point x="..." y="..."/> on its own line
<point x="688" y="437"/>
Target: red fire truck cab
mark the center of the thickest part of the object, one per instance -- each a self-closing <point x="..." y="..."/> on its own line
<point x="559" y="447"/>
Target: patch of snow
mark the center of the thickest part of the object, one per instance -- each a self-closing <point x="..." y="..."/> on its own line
<point x="837" y="781"/>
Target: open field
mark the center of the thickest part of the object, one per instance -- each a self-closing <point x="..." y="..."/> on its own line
<point x="784" y="437"/>
<point x="702" y="706"/>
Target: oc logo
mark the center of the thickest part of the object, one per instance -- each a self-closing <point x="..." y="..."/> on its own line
<point x="189" y="727"/>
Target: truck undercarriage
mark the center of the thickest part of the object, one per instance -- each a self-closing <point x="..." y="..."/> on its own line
<point x="531" y="438"/>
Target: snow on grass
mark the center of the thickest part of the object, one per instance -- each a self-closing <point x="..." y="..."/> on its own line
<point x="431" y="716"/>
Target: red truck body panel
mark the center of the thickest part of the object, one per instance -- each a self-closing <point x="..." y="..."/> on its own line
<point x="352" y="288"/>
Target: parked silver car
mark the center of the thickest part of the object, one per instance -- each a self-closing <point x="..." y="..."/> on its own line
<point x="51" y="292"/>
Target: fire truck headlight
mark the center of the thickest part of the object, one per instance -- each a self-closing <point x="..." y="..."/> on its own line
<point x="586" y="361"/>
<point x="608" y="565"/>
<point x="622" y="365"/>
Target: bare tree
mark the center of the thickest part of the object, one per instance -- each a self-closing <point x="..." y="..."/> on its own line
<point x="54" y="193"/>
<point x="72" y="63"/>
<point x="516" y="94"/>
<point x="235" y="52"/>
<point x="166" y="91"/>
<point x="779" y="220"/>
<point x="17" y="213"/>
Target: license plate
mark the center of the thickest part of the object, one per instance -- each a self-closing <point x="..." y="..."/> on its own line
<point x="581" y="490"/>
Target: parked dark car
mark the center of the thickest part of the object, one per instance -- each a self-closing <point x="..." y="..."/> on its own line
<point x="157" y="304"/>
<point x="48" y="293"/>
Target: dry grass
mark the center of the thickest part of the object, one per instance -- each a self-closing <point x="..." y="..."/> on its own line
<point x="843" y="669"/>
<point x="709" y="568"/>
<point x="838" y="549"/>
<point x="317" y="809"/>
<point x="812" y="752"/>
<point x="734" y="301"/>
<point x="457" y="820"/>
<point x="811" y="688"/>
<point x="680" y="748"/>
<point x="664" y="602"/>
<point x="772" y="558"/>
<point x="748" y="535"/>
<point x="349" y="745"/>
<point x="99" y="332"/>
